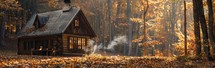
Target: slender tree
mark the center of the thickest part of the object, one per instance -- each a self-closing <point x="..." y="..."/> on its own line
<point x="211" y="23"/>
<point x="2" y="30"/>
<point x="166" y="43"/>
<point x="129" y="27"/>
<point x="173" y="23"/>
<point x="109" y="19"/>
<point x="185" y="28"/>
<point x="144" y="23"/>
<point x="103" y="24"/>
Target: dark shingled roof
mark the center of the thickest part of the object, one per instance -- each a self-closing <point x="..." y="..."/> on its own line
<point x="57" y="23"/>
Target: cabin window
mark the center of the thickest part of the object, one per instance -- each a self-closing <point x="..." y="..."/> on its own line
<point x="76" y="26"/>
<point x="77" y="23"/>
<point x="77" y="43"/>
<point x="71" y="43"/>
<point x="40" y="21"/>
<point x="83" y="43"/>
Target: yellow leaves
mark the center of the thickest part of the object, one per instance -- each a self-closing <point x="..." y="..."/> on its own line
<point x="154" y="1"/>
<point x="136" y="20"/>
<point x="158" y="19"/>
<point x="189" y="5"/>
<point x="150" y="43"/>
<point x="168" y="7"/>
<point x="158" y="53"/>
<point x="10" y="5"/>
<point x="180" y="44"/>
<point x="138" y="40"/>
<point x="52" y="3"/>
<point x="175" y="0"/>
<point x="92" y="61"/>
<point x="180" y="47"/>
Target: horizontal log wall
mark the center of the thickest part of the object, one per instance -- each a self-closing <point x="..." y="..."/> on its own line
<point x="25" y="45"/>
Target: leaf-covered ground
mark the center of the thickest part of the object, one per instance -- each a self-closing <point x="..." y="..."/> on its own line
<point x="98" y="61"/>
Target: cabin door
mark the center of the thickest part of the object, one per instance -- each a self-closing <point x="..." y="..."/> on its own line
<point x="77" y="44"/>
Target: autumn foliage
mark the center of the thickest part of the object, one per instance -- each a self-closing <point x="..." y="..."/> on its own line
<point x="10" y="5"/>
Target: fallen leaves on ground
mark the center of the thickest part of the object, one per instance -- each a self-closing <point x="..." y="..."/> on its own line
<point x="96" y="61"/>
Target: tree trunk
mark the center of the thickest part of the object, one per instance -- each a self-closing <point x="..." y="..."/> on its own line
<point x="165" y="47"/>
<point x="109" y="19"/>
<point x="98" y="18"/>
<point x="185" y="29"/>
<point x="210" y="24"/>
<point x="118" y="9"/>
<point x="104" y="27"/>
<point x="2" y="31"/>
<point x="173" y="15"/>
<point x="196" y="28"/>
<point x="129" y="27"/>
<point x="144" y="23"/>
<point x="138" y="35"/>
<point x="214" y="25"/>
<point x="204" y="28"/>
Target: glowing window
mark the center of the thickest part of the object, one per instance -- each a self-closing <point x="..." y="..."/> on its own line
<point x="76" y="23"/>
<point x="79" y="43"/>
<point x="71" y="43"/>
<point x="83" y="43"/>
<point x="75" y="42"/>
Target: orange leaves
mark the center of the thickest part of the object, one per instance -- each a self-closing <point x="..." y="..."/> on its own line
<point x="158" y="53"/>
<point x="92" y="61"/>
<point x="179" y="46"/>
<point x="10" y="5"/>
<point x="52" y="3"/>
<point x="150" y="43"/>
<point x="99" y="61"/>
<point x="136" y="20"/>
<point x="138" y="40"/>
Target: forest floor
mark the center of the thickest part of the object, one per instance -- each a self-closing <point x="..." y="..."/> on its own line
<point x="98" y="61"/>
<point x="9" y="59"/>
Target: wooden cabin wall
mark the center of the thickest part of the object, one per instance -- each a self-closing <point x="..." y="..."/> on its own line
<point x="60" y="42"/>
<point x="65" y="43"/>
<point x="33" y="42"/>
<point x="22" y="46"/>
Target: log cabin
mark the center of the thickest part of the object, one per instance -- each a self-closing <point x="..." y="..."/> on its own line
<point x="60" y="32"/>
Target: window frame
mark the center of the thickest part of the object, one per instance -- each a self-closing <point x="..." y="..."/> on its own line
<point x="77" y="43"/>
